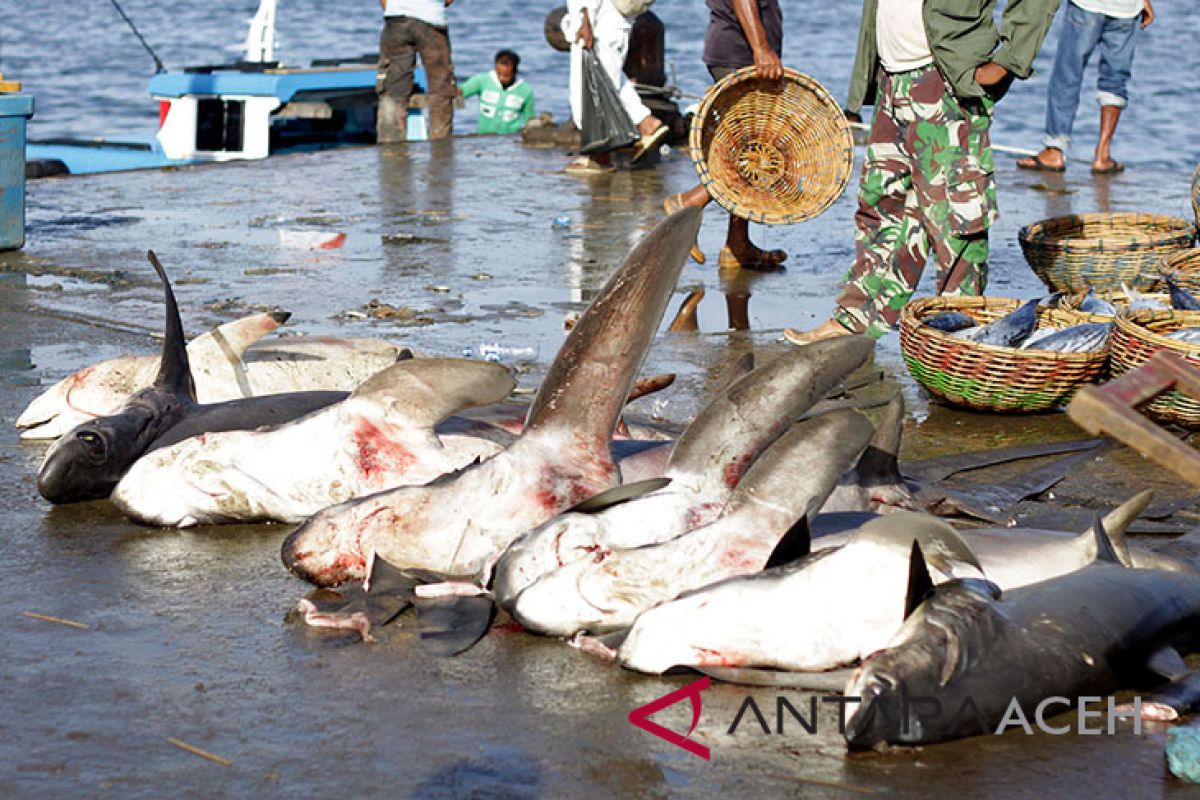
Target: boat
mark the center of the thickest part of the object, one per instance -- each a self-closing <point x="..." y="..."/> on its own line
<point x="250" y="109"/>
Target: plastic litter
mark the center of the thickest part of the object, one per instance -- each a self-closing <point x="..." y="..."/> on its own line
<point x="495" y="352"/>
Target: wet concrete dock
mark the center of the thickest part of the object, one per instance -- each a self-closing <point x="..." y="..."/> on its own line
<point x="186" y="635"/>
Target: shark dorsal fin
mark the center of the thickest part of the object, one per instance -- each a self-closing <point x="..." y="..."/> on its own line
<point x="1104" y="547"/>
<point x="174" y="370"/>
<point x="1117" y="522"/>
<point x="920" y="584"/>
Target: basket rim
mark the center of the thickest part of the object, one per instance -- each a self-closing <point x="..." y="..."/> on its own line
<point x="730" y="204"/>
<point x="1174" y="228"/>
<point x="1131" y="325"/>
<point x="913" y="318"/>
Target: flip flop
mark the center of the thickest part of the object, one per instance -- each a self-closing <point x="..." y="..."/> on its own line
<point x="585" y="165"/>
<point x="1035" y="164"/>
<point x="671" y="205"/>
<point x="764" y="260"/>
<point x="648" y="142"/>
<point x="1111" y="169"/>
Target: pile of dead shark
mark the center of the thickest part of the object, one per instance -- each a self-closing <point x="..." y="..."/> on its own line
<point x="771" y="541"/>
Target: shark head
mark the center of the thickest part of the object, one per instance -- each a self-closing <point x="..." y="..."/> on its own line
<point x="87" y="462"/>
<point x="917" y="688"/>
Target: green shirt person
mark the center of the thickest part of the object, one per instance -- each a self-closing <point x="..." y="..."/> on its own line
<point x="505" y="101"/>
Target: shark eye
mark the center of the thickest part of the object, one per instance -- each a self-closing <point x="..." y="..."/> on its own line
<point x="92" y="441"/>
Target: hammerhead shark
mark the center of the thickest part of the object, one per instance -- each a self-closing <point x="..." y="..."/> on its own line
<point x="457" y="522"/>
<point x="87" y="461"/>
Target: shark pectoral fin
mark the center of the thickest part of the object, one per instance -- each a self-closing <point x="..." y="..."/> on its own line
<point x="1167" y="663"/>
<point x="424" y="391"/>
<point x="452" y="625"/>
<point x="920" y="584"/>
<point x="1173" y="700"/>
<point x="650" y="385"/>
<point x="617" y="495"/>
<point x="795" y="544"/>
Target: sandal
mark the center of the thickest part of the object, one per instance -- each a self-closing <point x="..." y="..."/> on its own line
<point x="671" y="205"/>
<point x="649" y="142"/>
<point x="586" y="165"/>
<point x="763" y="260"/>
<point x="1111" y="169"/>
<point x="1036" y="164"/>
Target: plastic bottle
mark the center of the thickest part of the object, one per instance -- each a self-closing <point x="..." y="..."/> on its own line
<point x="495" y="352"/>
<point x="561" y="222"/>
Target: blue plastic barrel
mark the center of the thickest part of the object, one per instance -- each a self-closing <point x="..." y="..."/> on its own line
<point x="15" y="110"/>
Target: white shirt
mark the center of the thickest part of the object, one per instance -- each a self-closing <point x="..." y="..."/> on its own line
<point x="900" y="35"/>
<point x="431" y="11"/>
<point x="1121" y="9"/>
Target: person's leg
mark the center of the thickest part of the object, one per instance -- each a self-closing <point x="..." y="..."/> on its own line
<point x="889" y="243"/>
<point x="434" y="46"/>
<point x="397" y="57"/>
<point x="1078" y="33"/>
<point x="956" y="191"/>
<point x="1117" y="44"/>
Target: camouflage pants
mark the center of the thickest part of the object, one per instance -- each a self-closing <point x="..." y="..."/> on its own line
<point x="926" y="180"/>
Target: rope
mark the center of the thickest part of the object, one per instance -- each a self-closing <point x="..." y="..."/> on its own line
<point x="158" y="64"/>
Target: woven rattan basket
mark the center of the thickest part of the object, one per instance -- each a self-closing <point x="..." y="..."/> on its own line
<point x="774" y="152"/>
<point x="1135" y="338"/>
<point x="986" y="377"/>
<point x="1068" y="303"/>
<point x="1184" y="267"/>
<point x="1103" y="251"/>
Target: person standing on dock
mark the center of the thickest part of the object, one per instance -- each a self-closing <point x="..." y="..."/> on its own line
<point x="1113" y="26"/>
<point x="936" y="69"/>
<point x="412" y="27"/>
<point x="741" y="33"/>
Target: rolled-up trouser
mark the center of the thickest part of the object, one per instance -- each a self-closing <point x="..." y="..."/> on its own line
<point x="610" y="42"/>
<point x="403" y="38"/>
<point x="1083" y="32"/>
<point x="926" y="182"/>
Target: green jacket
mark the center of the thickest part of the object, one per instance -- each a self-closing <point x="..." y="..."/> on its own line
<point x="962" y="35"/>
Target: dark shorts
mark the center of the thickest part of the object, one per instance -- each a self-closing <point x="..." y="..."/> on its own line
<point x="725" y="44"/>
<point x="720" y="72"/>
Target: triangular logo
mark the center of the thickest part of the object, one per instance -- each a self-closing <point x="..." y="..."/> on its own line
<point x="640" y="717"/>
